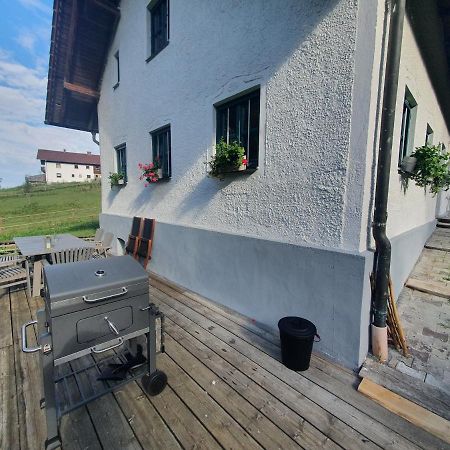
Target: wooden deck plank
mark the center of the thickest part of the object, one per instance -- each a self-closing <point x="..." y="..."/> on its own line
<point x="264" y="431"/>
<point x="328" y="424"/>
<point x="219" y="423"/>
<point x="341" y="385"/>
<point x="408" y="387"/>
<point x="287" y="420"/>
<point x="188" y="430"/>
<point x="356" y="419"/>
<point x="409" y="410"/>
<point x="76" y="428"/>
<point x="144" y="419"/>
<point x="32" y="424"/>
<point x="5" y="319"/>
<point x="113" y="429"/>
<point x="9" y="419"/>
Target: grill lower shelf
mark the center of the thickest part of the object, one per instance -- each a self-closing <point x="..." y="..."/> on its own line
<point x="77" y="383"/>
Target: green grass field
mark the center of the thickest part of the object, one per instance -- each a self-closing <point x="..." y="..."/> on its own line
<point x="39" y="210"/>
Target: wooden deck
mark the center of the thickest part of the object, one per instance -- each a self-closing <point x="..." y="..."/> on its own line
<point x="227" y="389"/>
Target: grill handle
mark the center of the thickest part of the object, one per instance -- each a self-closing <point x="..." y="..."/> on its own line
<point x="122" y="291"/>
<point x="94" y="350"/>
<point x="25" y="347"/>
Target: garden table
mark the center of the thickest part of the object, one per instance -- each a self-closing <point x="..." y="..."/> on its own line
<point x="34" y="247"/>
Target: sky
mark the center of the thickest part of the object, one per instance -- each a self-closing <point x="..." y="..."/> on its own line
<point x="25" y="29"/>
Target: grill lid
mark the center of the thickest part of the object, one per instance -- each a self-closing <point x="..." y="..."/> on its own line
<point x="74" y="286"/>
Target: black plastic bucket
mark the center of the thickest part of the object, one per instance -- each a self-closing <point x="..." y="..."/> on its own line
<point x="297" y="338"/>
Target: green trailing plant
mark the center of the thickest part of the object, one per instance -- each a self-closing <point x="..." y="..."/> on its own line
<point x="116" y="178"/>
<point x="431" y="170"/>
<point x="228" y="158"/>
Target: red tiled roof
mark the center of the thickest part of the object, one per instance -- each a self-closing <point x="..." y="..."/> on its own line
<point x="68" y="157"/>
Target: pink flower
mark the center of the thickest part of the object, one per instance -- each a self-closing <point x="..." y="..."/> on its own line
<point x="140" y="165"/>
<point x="151" y="165"/>
<point x="244" y="161"/>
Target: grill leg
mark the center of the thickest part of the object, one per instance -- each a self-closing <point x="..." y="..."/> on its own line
<point x="53" y="439"/>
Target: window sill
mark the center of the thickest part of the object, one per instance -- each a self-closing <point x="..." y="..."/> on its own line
<point x="116" y="85"/>
<point x="118" y="186"/>
<point x="247" y="171"/>
<point x="156" y="54"/>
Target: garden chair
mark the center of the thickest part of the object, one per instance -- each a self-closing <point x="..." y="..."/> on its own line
<point x="13" y="272"/>
<point x="71" y="255"/>
<point x="99" y="235"/>
<point x="133" y="238"/>
<point x="145" y="244"/>
<point x="105" y="245"/>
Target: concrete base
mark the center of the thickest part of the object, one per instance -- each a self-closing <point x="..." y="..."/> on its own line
<point x="406" y="249"/>
<point x="267" y="280"/>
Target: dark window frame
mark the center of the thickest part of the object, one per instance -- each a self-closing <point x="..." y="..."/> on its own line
<point x="121" y="160"/>
<point x="75" y="166"/>
<point x="246" y="111"/>
<point x="117" y="60"/>
<point x="409" y="113"/>
<point x="429" y="135"/>
<point x="158" y="10"/>
<point x="163" y="137"/>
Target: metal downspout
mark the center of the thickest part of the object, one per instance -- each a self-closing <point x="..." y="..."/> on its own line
<point x="383" y="245"/>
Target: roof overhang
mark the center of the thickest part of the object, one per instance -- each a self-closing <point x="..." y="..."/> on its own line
<point x="82" y="32"/>
<point x="431" y="24"/>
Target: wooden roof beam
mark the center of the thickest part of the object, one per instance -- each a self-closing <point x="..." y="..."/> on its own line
<point x="83" y="90"/>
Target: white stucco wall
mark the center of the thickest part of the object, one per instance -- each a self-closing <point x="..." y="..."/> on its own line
<point x="303" y="57"/>
<point x="67" y="170"/>
<point x="414" y="207"/>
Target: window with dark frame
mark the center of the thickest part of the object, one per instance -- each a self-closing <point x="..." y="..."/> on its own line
<point x="117" y="58"/>
<point x="58" y="165"/>
<point x="238" y="120"/>
<point x="429" y="135"/>
<point x="161" y="149"/>
<point x="76" y="166"/>
<point x="159" y="26"/>
<point x="58" y="175"/>
<point x="408" y="125"/>
<point x="121" y="160"/>
<point x="88" y="167"/>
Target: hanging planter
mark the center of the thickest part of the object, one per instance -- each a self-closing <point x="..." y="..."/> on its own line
<point x="229" y="158"/>
<point x="431" y="168"/>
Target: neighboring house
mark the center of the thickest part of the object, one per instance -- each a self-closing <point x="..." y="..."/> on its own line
<point x="68" y="167"/>
<point x="300" y="84"/>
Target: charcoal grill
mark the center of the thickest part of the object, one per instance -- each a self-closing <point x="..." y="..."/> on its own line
<point x="96" y="333"/>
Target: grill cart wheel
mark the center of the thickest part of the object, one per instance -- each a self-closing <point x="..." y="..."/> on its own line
<point x="155" y="383"/>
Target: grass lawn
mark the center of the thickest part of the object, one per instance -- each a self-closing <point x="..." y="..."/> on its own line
<point x="38" y="210"/>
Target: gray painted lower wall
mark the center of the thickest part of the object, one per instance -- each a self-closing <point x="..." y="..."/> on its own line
<point x="267" y="280"/>
<point x="406" y="249"/>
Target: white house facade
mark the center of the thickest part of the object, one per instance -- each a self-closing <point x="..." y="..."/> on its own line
<point x="300" y="85"/>
<point x="69" y="167"/>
